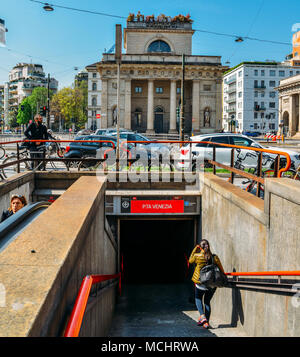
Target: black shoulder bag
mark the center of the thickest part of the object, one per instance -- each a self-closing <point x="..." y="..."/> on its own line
<point x="211" y="276"/>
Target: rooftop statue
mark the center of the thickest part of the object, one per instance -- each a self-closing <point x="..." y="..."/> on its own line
<point x="162" y="18"/>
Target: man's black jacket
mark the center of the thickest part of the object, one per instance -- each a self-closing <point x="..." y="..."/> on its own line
<point x="36" y="132"/>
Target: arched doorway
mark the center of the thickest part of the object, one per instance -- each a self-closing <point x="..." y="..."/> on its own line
<point x="285" y="123"/>
<point x="159" y="120"/>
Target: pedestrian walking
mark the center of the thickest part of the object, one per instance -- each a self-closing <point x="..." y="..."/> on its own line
<point x="202" y="256"/>
<point x="36" y="130"/>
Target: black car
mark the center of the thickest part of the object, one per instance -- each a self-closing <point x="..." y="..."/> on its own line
<point x="78" y="150"/>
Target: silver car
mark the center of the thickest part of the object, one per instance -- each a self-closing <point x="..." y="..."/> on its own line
<point x="248" y="158"/>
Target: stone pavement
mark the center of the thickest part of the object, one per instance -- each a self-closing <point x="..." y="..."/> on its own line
<point x="162" y="311"/>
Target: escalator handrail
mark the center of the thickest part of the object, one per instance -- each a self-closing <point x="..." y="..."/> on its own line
<point x="15" y="219"/>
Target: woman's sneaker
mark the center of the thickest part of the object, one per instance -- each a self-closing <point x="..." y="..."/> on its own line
<point x="206" y="325"/>
<point x="201" y="321"/>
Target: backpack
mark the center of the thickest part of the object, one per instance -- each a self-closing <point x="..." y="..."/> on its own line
<point x="211" y="276"/>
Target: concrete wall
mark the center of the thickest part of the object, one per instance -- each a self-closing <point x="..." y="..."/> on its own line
<point x="249" y="234"/>
<point x="42" y="270"/>
<point x="21" y="184"/>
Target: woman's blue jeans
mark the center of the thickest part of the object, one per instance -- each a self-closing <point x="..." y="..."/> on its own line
<point x="207" y="294"/>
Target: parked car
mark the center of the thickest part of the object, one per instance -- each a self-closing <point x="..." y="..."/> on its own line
<point x="251" y="133"/>
<point x="147" y="144"/>
<point x="223" y="154"/>
<point x="84" y="132"/>
<point x="78" y="150"/>
<point x="109" y="131"/>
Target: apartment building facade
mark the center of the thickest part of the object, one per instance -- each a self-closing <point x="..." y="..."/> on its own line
<point x="94" y="98"/>
<point x="23" y="78"/>
<point x="250" y="100"/>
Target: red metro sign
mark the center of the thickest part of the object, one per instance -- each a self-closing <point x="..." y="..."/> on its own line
<point x="157" y="206"/>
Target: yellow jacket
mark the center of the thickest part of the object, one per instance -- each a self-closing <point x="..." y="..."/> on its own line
<point x="199" y="259"/>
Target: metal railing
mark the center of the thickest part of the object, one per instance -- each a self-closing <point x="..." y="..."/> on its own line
<point x="191" y="160"/>
<point x="75" y="321"/>
<point x="276" y="285"/>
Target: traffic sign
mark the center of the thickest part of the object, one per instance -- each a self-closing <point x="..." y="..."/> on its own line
<point x="98" y="116"/>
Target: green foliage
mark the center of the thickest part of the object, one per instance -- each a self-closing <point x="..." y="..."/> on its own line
<point x="38" y="98"/>
<point x="24" y="115"/>
<point x="71" y="103"/>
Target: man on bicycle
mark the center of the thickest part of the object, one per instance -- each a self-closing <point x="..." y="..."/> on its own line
<point x="36" y="130"/>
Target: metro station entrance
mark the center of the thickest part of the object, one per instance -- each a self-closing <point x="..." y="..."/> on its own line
<point x="154" y="251"/>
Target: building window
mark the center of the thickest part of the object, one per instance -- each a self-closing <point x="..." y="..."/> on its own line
<point x="94" y="75"/>
<point x="256" y="94"/>
<point x="255" y="115"/>
<point x="240" y="94"/>
<point x="94" y="86"/>
<point x="256" y="72"/>
<point x="281" y="73"/>
<point x="138" y="89"/>
<point x="262" y="115"/>
<point x="94" y="112"/>
<point x="262" y="72"/>
<point x="158" y="90"/>
<point x="291" y="73"/>
<point x="94" y="101"/>
<point x="240" y="73"/>
<point x="272" y="73"/>
<point x="207" y="87"/>
<point x="272" y="94"/>
<point x="272" y="104"/>
<point x="240" y="84"/>
<point x="159" y="46"/>
<point x="272" y="83"/>
<point x="178" y="90"/>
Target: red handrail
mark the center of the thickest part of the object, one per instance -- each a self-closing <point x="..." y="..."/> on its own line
<point x="75" y="321"/>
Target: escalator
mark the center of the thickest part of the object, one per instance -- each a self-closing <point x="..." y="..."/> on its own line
<point x="14" y="225"/>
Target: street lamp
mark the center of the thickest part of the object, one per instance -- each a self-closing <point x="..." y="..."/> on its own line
<point x="239" y="39"/>
<point x="48" y="7"/>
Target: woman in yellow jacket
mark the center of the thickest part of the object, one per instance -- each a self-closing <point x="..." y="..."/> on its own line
<point x="201" y="255"/>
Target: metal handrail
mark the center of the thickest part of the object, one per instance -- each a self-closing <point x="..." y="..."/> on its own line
<point x="75" y="321"/>
<point x="266" y="273"/>
<point x="214" y="163"/>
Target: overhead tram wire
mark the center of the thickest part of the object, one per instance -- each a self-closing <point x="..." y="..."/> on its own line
<point x="248" y="33"/>
<point x="198" y="30"/>
<point x="80" y="10"/>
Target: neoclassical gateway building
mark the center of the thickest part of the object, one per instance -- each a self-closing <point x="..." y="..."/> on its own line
<point x="150" y="79"/>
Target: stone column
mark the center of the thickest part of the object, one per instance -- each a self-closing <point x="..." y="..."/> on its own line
<point x="127" y="121"/>
<point x="150" y="110"/>
<point x="196" y="107"/>
<point x="104" y="111"/>
<point x="172" y="129"/>
<point x="280" y="118"/>
<point x="218" y="120"/>
<point x="292" y="118"/>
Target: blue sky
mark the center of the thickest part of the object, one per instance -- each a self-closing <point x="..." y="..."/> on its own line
<point x="64" y="39"/>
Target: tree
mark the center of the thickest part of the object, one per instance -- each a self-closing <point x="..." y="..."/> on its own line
<point x="38" y="98"/>
<point x="72" y="104"/>
<point x="24" y="112"/>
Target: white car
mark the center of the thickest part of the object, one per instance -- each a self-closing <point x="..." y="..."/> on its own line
<point x="248" y="158"/>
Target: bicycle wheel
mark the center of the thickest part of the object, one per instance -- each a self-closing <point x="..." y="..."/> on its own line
<point x="9" y="170"/>
<point x="269" y="173"/>
<point x="2" y="152"/>
<point x="291" y="174"/>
